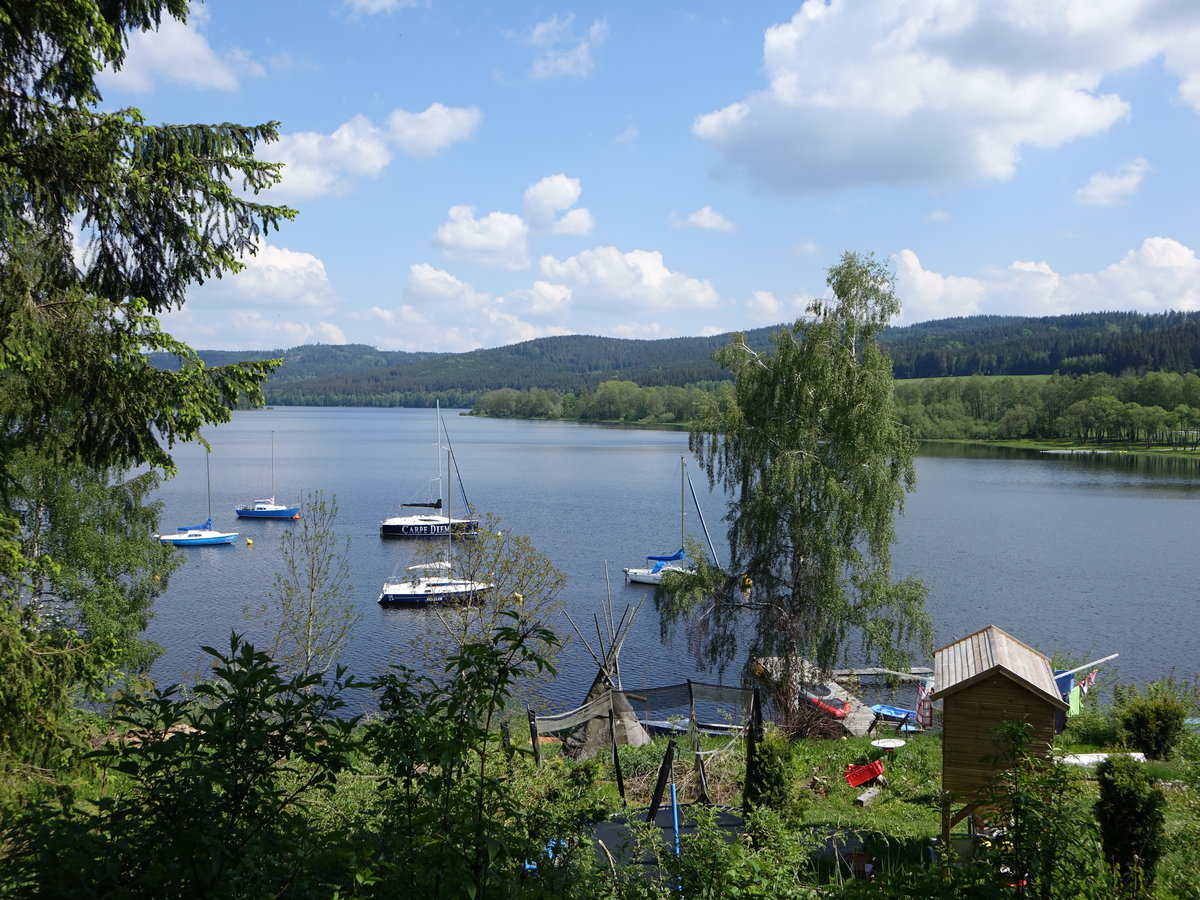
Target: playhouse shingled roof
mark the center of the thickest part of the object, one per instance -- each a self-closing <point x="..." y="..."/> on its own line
<point x="991" y="651"/>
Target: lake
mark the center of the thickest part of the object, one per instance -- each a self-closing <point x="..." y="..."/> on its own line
<point x="1087" y="555"/>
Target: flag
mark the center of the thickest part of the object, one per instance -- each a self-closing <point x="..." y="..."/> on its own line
<point x="1088" y="682"/>
<point x="924" y="705"/>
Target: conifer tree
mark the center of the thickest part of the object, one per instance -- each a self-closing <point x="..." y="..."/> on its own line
<point x="105" y="221"/>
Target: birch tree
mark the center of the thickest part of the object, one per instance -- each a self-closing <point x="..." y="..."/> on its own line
<point x="809" y="448"/>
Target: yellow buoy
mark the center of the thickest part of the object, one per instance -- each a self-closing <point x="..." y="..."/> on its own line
<point x="249" y="542"/>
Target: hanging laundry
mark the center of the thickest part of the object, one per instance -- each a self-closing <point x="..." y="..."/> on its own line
<point x="1075" y="701"/>
<point x="924" y="705"/>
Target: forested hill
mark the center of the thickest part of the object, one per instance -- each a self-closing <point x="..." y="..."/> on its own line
<point x="358" y="375"/>
<point x="1116" y="343"/>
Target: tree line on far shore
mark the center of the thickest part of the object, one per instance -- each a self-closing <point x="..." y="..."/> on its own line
<point x="1155" y="409"/>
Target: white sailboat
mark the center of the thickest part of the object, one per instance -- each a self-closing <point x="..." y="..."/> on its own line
<point x="200" y="535"/>
<point x="652" y="572"/>
<point x="437" y="523"/>
<point x="431" y="582"/>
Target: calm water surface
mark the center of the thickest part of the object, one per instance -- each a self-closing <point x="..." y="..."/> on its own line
<point x="1083" y="555"/>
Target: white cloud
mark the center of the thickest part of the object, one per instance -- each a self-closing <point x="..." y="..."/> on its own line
<point x="499" y="240"/>
<point x="707" y="219"/>
<point x="807" y="247"/>
<point x="765" y="308"/>
<point x="930" y="295"/>
<point x="370" y="7"/>
<point x="1114" y="188"/>
<point x="279" y="276"/>
<point x="281" y="298"/>
<point x="628" y="136"/>
<point x="560" y="50"/>
<point x="179" y="53"/>
<point x="552" y="195"/>
<point x="1161" y="275"/>
<point x="317" y="164"/>
<point x="427" y="133"/>
<point x="937" y="215"/>
<point x="440" y="311"/>
<point x="543" y="300"/>
<point x="579" y="222"/>
<point x="605" y="279"/>
<point x="933" y="91"/>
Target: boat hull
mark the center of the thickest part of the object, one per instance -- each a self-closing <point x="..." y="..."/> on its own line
<point x="198" y="538"/>
<point x="422" y="591"/>
<point x="427" y="526"/>
<point x="649" y="576"/>
<point x="268" y="512"/>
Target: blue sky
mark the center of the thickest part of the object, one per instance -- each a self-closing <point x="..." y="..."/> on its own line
<point x="471" y="174"/>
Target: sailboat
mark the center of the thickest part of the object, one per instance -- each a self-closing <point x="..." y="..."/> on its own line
<point x="268" y="508"/>
<point x="431" y="582"/>
<point x="434" y="524"/>
<point x="434" y="582"/>
<point x="652" y="572"/>
<point x="199" y="535"/>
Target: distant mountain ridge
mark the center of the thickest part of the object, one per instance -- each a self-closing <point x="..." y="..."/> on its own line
<point x="359" y="375"/>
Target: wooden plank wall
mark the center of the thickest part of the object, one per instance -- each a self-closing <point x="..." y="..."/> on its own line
<point x="969" y="741"/>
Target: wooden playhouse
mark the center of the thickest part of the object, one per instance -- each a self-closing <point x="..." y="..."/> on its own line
<point x="984" y="681"/>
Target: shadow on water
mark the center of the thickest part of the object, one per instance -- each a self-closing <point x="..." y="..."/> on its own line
<point x="1122" y="460"/>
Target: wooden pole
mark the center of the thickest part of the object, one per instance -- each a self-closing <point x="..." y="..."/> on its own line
<point x="616" y="758"/>
<point x="660" y="786"/>
<point x="533" y="739"/>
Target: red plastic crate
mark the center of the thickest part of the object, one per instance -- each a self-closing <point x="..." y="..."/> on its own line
<point x="857" y="775"/>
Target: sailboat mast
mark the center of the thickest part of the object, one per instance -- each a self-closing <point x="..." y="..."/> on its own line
<point x="438" y="430"/>
<point x="208" y="480"/>
<point x="681" y="501"/>
<point x="272" y="467"/>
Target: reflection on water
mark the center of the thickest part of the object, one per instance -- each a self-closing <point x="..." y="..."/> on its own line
<point x="1084" y="554"/>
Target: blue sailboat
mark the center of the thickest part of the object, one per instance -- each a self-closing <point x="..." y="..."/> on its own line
<point x="268" y="508"/>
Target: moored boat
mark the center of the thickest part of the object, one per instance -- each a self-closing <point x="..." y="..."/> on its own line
<point x="431" y="583"/>
<point x="199" y="535"/>
<point x="268" y="508"/>
<point x="656" y="566"/>
<point x="437" y="523"/>
<point x="652" y="572"/>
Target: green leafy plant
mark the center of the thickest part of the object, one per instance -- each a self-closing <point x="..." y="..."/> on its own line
<point x="1131" y="812"/>
<point x="451" y="822"/>
<point x="1045" y="841"/>
<point x="1154" y="721"/>
<point x="210" y="790"/>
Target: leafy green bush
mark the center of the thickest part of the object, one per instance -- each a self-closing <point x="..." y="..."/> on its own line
<point x="1093" y="727"/>
<point x="1131" y="812"/>
<point x="1048" y="835"/>
<point x="1152" y="722"/>
<point x="775" y="781"/>
<point x="643" y="761"/>
<point x="210" y="793"/>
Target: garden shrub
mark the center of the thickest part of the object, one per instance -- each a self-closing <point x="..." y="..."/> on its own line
<point x="1152" y="722"/>
<point x="769" y="784"/>
<point x="1131" y="811"/>
<point x="1094" y="727"/>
